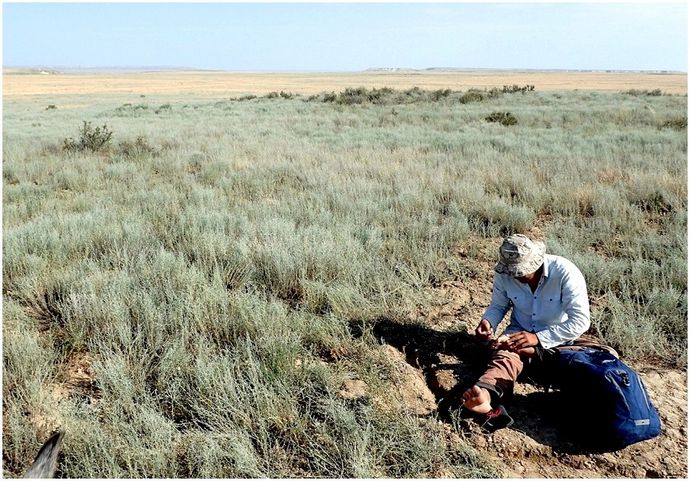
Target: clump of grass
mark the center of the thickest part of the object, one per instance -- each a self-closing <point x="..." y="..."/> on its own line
<point x="135" y="148"/>
<point x="10" y="176"/>
<point x="503" y="118"/>
<point x="499" y="218"/>
<point x="91" y="139"/>
<point x="163" y="108"/>
<point x="653" y="201"/>
<point x="679" y="123"/>
<point x="439" y="94"/>
<point x="51" y="107"/>
<point x="128" y="109"/>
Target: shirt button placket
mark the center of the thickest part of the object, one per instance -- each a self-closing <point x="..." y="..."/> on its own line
<point x="534" y="313"/>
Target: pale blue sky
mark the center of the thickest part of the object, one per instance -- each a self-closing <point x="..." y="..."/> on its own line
<point x="347" y="37"/>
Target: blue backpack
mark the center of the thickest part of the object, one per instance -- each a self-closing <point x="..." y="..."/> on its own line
<point x="624" y="414"/>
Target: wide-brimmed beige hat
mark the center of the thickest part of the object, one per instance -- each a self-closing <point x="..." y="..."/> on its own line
<point x="520" y="255"/>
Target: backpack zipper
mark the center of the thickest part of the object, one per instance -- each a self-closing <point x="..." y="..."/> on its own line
<point x="609" y="376"/>
<point x="644" y="394"/>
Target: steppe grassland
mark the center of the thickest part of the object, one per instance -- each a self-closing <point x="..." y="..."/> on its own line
<point x="23" y="83"/>
<point x="208" y="273"/>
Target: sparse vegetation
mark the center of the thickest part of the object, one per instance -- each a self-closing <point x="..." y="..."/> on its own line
<point x="183" y="303"/>
<point x="388" y="96"/>
<point x="128" y="109"/>
<point x="647" y="93"/>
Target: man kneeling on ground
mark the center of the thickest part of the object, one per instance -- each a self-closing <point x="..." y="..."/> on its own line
<point x="550" y="311"/>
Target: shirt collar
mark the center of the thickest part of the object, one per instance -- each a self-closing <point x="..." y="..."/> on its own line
<point x="545" y="272"/>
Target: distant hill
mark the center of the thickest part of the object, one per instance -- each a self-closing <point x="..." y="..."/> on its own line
<point x="50" y="70"/>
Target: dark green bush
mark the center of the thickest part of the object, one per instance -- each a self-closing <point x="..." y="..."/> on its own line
<point x="360" y="95"/>
<point x="472" y="95"/>
<point x="51" y="107"/>
<point x="271" y="95"/>
<point x="90" y="139"/>
<point x="353" y="96"/>
<point x="503" y="118"/>
<point x="511" y="89"/>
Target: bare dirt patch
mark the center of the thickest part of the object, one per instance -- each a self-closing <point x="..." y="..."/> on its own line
<point x="76" y="378"/>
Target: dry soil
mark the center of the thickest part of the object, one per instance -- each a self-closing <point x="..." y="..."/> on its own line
<point x="18" y="84"/>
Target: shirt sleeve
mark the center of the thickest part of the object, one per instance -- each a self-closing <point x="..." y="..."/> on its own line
<point x="500" y="303"/>
<point x="576" y="306"/>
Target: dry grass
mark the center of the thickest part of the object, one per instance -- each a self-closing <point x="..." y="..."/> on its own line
<point x="219" y="84"/>
<point x="191" y="301"/>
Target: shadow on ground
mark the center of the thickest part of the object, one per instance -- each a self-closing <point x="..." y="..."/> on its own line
<point x="451" y="361"/>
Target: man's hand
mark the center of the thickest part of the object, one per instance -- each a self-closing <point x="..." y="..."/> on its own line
<point x="484" y="330"/>
<point x="527" y="352"/>
<point x="521" y="341"/>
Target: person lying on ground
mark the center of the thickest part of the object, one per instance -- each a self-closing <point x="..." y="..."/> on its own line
<point x="550" y="311"/>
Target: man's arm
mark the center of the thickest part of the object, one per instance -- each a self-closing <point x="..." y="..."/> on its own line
<point x="500" y="304"/>
<point x="576" y="305"/>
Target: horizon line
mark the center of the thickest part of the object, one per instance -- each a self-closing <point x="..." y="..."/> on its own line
<point x="160" y="68"/>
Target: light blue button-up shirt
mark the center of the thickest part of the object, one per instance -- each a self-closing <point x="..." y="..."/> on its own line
<point x="557" y="311"/>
